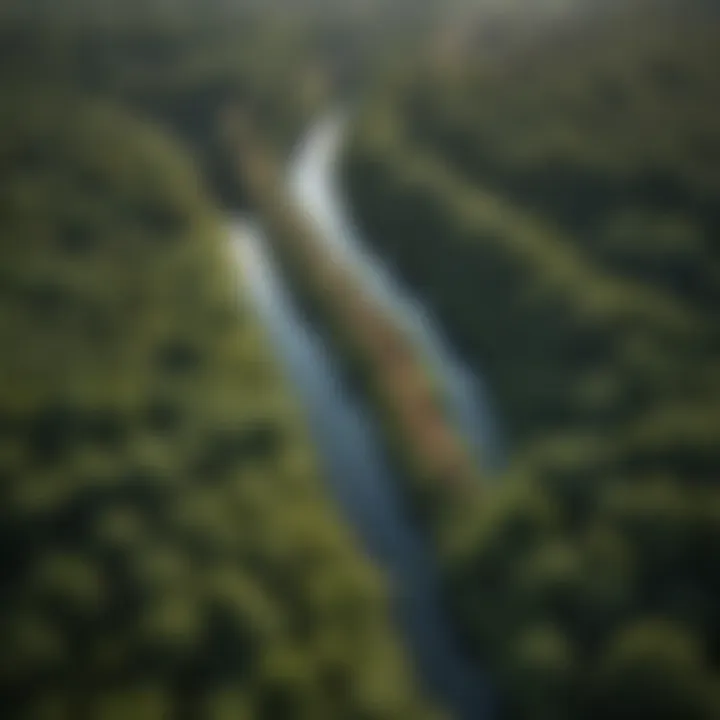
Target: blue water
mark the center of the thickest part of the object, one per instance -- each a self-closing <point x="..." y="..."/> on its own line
<point x="359" y="475"/>
<point x="313" y="181"/>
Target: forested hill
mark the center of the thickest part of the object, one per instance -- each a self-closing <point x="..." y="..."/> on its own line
<point x="167" y="547"/>
<point x="168" y="550"/>
<point x="178" y="65"/>
<point x="558" y="205"/>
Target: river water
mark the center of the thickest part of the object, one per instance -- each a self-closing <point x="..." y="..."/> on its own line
<point x="359" y="475"/>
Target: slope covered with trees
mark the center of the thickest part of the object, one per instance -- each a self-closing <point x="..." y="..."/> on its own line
<point x="558" y="208"/>
<point x="167" y="549"/>
<point x="178" y="63"/>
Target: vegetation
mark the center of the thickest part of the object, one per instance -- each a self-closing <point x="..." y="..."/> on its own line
<point x="380" y="356"/>
<point x="178" y="64"/>
<point x="167" y="546"/>
<point x="558" y="209"/>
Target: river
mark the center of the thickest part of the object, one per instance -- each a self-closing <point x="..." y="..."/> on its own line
<point x="359" y="475"/>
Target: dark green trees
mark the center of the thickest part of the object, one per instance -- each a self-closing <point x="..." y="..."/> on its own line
<point x="557" y="208"/>
<point x="166" y="547"/>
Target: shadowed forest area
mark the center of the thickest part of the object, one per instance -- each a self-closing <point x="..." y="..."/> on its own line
<point x="558" y="206"/>
<point x="167" y="546"/>
<point x="149" y="569"/>
<point x="545" y="176"/>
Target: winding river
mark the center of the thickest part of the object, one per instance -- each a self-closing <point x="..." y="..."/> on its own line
<point x="359" y="475"/>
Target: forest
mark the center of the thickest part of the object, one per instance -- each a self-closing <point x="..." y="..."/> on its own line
<point x="545" y="176"/>
<point x="558" y="205"/>
<point x="168" y="548"/>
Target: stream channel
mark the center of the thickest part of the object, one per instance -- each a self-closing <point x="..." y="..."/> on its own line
<point x="360" y="477"/>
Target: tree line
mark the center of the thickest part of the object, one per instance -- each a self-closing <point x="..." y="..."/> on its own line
<point x="557" y="208"/>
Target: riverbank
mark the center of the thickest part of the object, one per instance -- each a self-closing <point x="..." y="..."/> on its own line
<point x="368" y="483"/>
<point x="441" y="476"/>
<point x="360" y="480"/>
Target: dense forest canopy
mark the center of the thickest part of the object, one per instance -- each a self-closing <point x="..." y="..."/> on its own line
<point x="558" y="205"/>
<point x="179" y="65"/>
<point x="167" y="549"/>
<point x="167" y="546"/>
<point x="545" y="174"/>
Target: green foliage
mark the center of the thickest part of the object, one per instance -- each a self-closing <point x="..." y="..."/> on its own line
<point x="167" y="547"/>
<point x="654" y="669"/>
<point x="557" y="208"/>
<point x="180" y="64"/>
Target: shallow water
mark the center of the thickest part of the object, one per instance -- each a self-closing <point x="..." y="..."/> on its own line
<point x="359" y="475"/>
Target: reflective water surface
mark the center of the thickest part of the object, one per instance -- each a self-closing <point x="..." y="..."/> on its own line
<point x="358" y="473"/>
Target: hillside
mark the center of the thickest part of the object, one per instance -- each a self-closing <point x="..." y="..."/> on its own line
<point x="557" y="206"/>
<point x="177" y="64"/>
<point x="168" y="550"/>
